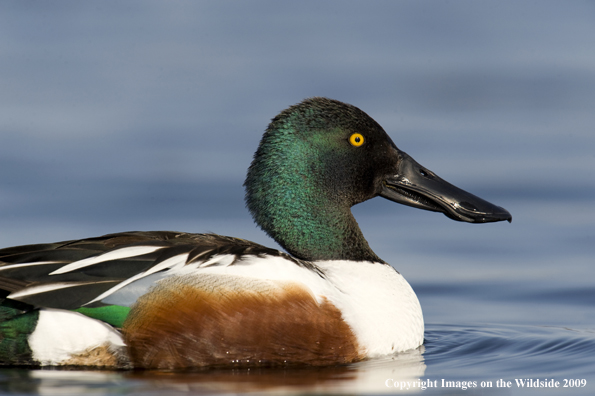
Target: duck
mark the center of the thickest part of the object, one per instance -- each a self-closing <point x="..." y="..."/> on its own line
<point x="174" y="300"/>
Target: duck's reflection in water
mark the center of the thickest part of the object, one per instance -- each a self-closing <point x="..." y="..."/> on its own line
<point x="392" y="374"/>
<point x="386" y="375"/>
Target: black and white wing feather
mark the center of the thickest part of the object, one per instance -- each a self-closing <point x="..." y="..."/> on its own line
<point x="72" y="274"/>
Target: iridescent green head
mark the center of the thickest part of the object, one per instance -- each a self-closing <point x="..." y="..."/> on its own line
<point x="315" y="161"/>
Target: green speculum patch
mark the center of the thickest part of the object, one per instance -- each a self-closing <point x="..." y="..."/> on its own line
<point x="114" y="315"/>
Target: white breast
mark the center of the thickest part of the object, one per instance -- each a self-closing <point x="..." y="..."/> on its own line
<point x="378" y="304"/>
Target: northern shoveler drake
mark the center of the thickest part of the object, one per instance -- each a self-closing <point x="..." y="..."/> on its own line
<point x="172" y="300"/>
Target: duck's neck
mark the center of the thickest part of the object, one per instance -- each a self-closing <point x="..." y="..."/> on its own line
<point x="298" y="208"/>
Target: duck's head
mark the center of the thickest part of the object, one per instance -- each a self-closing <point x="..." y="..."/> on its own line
<point x="319" y="158"/>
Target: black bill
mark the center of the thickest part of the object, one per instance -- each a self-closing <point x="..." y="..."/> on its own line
<point x="416" y="186"/>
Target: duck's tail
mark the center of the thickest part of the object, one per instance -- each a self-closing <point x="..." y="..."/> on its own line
<point x="17" y="322"/>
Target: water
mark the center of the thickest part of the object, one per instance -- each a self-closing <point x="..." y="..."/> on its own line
<point x="144" y="116"/>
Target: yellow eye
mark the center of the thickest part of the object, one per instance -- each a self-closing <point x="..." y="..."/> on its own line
<point x="356" y="139"/>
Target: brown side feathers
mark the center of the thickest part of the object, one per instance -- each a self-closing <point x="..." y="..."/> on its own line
<point x="235" y="321"/>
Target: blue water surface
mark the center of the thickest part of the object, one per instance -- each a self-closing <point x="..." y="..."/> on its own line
<point x="144" y="115"/>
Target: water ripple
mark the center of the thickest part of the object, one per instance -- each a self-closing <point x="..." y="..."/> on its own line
<point x="508" y="351"/>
